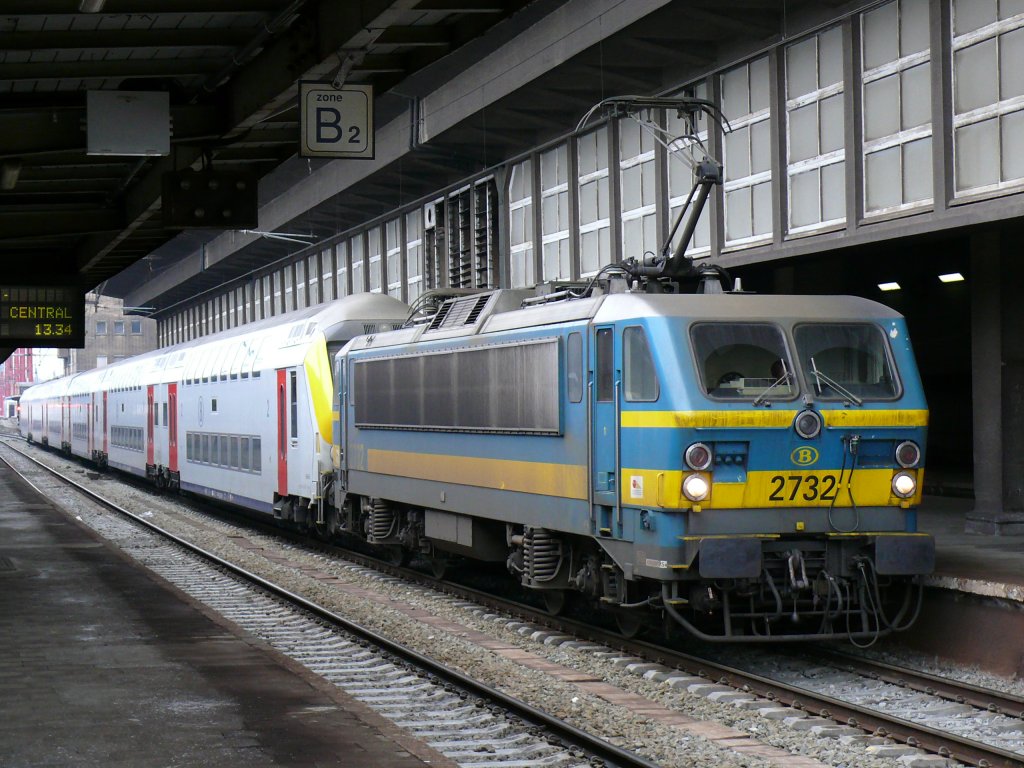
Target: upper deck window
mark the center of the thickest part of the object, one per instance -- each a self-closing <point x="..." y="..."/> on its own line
<point x="743" y="360"/>
<point x="846" y="361"/>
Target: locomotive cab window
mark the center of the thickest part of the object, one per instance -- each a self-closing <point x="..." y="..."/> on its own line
<point x="639" y="377"/>
<point x="846" y="361"/>
<point x="743" y="360"/>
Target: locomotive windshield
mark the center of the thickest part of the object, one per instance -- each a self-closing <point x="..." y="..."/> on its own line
<point x="846" y="361"/>
<point x="743" y="360"/>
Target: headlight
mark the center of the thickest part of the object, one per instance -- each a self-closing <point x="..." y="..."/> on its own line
<point x="695" y="488"/>
<point x="908" y="454"/>
<point x="698" y="457"/>
<point x="904" y="485"/>
<point x="807" y="424"/>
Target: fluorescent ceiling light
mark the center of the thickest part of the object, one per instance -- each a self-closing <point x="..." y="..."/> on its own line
<point x="952" y="277"/>
<point x="91" y="6"/>
<point x="889" y="286"/>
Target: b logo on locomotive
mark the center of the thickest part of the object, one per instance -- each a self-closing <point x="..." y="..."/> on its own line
<point x="804" y="456"/>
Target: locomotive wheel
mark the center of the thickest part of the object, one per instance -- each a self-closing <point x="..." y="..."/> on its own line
<point x="628" y="624"/>
<point x="396" y="555"/>
<point x="439" y="566"/>
<point x="554" y="601"/>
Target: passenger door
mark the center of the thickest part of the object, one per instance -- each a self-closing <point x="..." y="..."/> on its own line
<point x="172" y="427"/>
<point x="282" y="432"/>
<point x="604" y="396"/>
<point x="150" y="426"/>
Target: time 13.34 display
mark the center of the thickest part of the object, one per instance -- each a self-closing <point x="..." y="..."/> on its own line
<point x="41" y="316"/>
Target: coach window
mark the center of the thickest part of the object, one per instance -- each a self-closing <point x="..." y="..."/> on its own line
<point x="574" y="367"/>
<point x="639" y="377"/>
<point x="233" y="457"/>
<point x="165" y="414"/>
<point x="605" y="365"/>
<point x="294" y="402"/>
<point x="244" y="458"/>
<point x="257" y="457"/>
<point x="205" y="449"/>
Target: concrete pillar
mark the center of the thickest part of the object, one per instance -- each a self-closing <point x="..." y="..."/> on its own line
<point x="997" y="361"/>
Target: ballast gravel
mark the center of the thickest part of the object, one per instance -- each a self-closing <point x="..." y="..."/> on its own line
<point x="785" y="729"/>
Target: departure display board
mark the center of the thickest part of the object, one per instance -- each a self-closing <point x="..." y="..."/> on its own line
<point x="42" y="316"/>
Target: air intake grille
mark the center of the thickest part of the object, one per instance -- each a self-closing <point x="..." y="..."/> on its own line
<point x="458" y="312"/>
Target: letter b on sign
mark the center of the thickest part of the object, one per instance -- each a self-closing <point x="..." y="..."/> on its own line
<point x="335" y="122"/>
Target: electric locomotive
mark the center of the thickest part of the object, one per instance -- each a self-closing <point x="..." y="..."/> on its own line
<point x="746" y="466"/>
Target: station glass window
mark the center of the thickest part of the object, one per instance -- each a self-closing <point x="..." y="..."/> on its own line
<point x="358" y="252"/>
<point x="119" y="327"/>
<point x="988" y="86"/>
<point x="637" y="173"/>
<point x="594" y="197"/>
<point x="136" y="327"/>
<point x="393" y="244"/>
<point x="639" y="378"/>
<point x="101" y="327"/>
<point x="896" y="73"/>
<point x="815" y="131"/>
<point x="289" y="288"/>
<point x="520" y="211"/>
<point x="684" y="153"/>
<point x="300" y="284"/>
<point x="747" y="153"/>
<point x="554" y="206"/>
<point x="327" y="268"/>
<point x="342" y="271"/>
<point x="414" y="253"/>
<point x="373" y="245"/>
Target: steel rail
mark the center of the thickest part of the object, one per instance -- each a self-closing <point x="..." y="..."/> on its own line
<point x="997" y="702"/>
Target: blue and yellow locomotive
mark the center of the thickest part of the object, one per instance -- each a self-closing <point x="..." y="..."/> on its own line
<point x="745" y="466"/>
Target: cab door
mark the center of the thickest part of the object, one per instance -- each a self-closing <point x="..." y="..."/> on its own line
<point x="604" y="408"/>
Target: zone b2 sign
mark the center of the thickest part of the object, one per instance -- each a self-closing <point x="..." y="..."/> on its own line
<point x="335" y="122"/>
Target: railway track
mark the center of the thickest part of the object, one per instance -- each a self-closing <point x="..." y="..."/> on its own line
<point x="814" y="691"/>
<point x="472" y="724"/>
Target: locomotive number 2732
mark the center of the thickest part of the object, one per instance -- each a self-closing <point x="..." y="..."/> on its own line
<point x="806" y="487"/>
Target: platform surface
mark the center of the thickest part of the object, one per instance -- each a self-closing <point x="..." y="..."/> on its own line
<point x="970" y="562"/>
<point x="103" y="665"/>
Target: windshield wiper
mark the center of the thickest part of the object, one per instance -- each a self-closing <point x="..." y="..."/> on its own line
<point x="783" y="379"/>
<point x="821" y="377"/>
